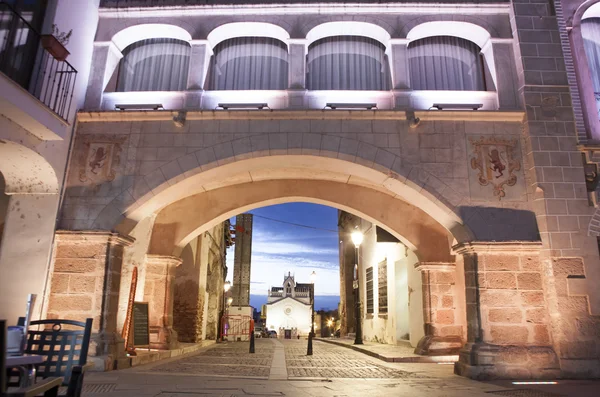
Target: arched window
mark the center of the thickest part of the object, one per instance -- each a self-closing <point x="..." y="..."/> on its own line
<point x="154" y="65"/>
<point x="590" y="30"/>
<point x="445" y="63"/>
<point x="250" y="63"/>
<point x="347" y="63"/>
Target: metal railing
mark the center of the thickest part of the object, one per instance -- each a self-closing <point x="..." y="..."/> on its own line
<point x="27" y="63"/>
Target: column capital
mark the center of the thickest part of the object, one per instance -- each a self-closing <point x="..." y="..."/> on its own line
<point x="93" y="236"/>
<point x="498" y="247"/>
<point x="165" y="260"/>
<point x="435" y="266"/>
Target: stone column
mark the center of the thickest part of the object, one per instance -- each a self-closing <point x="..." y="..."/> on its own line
<point x="159" y="293"/>
<point x="506" y="74"/>
<point x="199" y="64"/>
<point x="507" y="315"/>
<point x="443" y="330"/>
<point x="297" y="72"/>
<point x="105" y="59"/>
<point x="85" y="283"/>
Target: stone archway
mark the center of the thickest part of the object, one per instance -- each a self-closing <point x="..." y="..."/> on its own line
<point x="29" y="195"/>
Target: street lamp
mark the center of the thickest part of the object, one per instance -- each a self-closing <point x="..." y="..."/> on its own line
<point x="226" y="288"/>
<point x="357" y="239"/>
<point x="309" y="350"/>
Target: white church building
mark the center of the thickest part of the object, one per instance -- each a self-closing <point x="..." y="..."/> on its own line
<point x="288" y="308"/>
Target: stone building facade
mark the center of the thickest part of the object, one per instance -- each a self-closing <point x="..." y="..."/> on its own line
<point x="496" y="204"/>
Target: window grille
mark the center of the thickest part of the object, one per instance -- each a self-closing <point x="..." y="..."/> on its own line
<point x="382" y="286"/>
<point x="370" y="290"/>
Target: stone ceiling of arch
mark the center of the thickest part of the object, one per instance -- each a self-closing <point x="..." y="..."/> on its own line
<point x="179" y="222"/>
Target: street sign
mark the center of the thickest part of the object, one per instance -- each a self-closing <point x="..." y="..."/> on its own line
<point x="355" y="284"/>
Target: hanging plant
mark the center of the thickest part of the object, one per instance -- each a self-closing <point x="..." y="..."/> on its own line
<point x="55" y="43"/>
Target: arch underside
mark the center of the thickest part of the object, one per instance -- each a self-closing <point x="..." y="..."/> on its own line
<point x="178" y="223"/>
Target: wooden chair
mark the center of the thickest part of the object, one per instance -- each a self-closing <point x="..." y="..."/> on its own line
<point x="65" y="345"/>
<point x="47" y="387"/>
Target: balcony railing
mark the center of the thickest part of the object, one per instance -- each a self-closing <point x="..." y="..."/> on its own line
<point x="27" y="63"/>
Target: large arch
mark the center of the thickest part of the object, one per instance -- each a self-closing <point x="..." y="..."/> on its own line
<point x="223" y="165"/>
<point x="246" y="29"/>
<point x="174" y="228"/>
<point x="25" y="171"/>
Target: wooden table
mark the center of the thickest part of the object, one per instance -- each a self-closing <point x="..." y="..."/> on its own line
<point x="25" y="364"/>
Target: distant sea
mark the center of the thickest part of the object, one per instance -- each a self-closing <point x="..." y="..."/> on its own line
<point x="322" y="302"/>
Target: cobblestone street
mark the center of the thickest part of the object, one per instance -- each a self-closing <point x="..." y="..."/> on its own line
<point x="282" y="368"/>
<point x="330" y="361"/>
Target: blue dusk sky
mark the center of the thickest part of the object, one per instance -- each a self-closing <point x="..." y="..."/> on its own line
<point x="279" y="248"/>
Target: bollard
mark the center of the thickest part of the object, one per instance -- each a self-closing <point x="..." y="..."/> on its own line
<point x="252" y="342"/>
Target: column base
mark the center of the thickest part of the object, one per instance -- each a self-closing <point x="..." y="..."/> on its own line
<point x="163" y="338"/>
<point x="107" y="351"/>
<point x="483" y="361"/>
<point x="430" y="345"/>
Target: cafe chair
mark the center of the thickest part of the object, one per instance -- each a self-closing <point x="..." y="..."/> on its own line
<point x="64" y="344"/>
<point x="47" y="387"/>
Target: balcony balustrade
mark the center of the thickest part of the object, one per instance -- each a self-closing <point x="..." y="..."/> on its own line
<point x="25" y="61"/>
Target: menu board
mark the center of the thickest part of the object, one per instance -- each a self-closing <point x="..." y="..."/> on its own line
<point x="141" y="332"/>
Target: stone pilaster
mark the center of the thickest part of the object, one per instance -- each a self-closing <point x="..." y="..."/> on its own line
<point x="159" y="292"/>
<point x="199" y="64"/>
<point x="443" y="330"/>
<point x="105" y="60"/>
<point x="507" y="314"/>
<point x="85" y="283"/>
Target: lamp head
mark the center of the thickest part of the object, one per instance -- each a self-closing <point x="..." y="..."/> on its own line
<point x="229" y="301"/>
<point x="227" y="285"/>
<point x="357" y="238"/>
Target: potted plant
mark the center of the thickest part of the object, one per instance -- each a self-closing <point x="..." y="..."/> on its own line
<point x="55" y="43"/>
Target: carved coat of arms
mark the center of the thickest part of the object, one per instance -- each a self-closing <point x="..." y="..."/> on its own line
<point x="99" y="157"/>
<point x="496" y="162"/>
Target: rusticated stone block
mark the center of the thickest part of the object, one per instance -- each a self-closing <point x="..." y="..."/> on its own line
<point x="450" y="330"/>
<point x="531" y="264"/>
<point x="540" y="334"/>
<point x="445" y="317"/>
<point x="66" y="303"/>
<point x="509" y="334"/>
<point x="529" y="281"/>
<point x="83" y="250"/>
<point x="60" y="283"/>
<point x="568" y="266"/>
<point x="533" y="298"/>
<point x="77" y="265"/>
<point x="501" y="263"/>
<point x="500" y="280"/>
<point x="499" y="298"/>
<point x="505" y="315"/>
<point x="447" y="301"/>
<point x="444" y="277"/>
<point x="536" y="316"/>
<point x="82" y="284"/>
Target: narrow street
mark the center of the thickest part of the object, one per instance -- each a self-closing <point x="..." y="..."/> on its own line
<point x="230" y="370"/>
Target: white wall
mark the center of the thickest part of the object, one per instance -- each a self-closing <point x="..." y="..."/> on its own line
<point x="299" y="316"/>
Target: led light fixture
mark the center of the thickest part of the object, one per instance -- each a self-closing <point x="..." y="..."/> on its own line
<point x="457" y="106"/>
<point x="228" y="106"/>
<point x="334" y="106"/>
<point x="535" y="383"/>
<point x="140" y="106"/>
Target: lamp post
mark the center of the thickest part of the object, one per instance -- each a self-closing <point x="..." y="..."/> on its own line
<point x="309" y="350"/>
<point x="226" y="288"/>
<point x="357" y="238"/>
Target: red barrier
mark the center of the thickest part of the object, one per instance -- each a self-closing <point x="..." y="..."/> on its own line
<point x="236" y="327"/>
